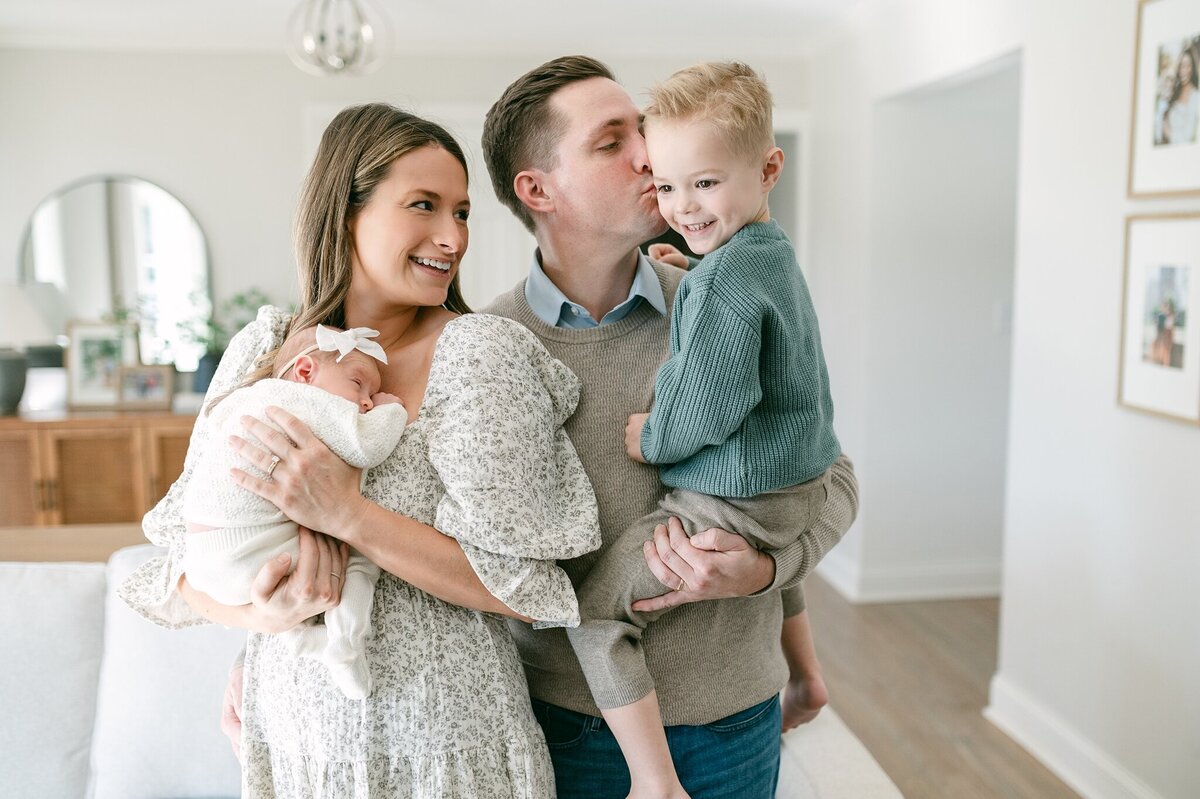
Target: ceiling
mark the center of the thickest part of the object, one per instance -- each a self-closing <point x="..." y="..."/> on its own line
<point x="770" y="28"/>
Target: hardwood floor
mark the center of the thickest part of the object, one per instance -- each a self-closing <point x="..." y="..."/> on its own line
<point x="911" y="680"/>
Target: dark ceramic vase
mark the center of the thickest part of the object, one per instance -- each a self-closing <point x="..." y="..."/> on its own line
<point x="205" y="369"/>
<point x="12" y="379"/>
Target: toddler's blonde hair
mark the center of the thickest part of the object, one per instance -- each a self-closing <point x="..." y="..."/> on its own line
<point x="729" y="94"/>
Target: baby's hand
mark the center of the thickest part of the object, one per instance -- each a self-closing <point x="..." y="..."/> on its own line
<point x="633" y="436"/>
<point x="383" y="398"/>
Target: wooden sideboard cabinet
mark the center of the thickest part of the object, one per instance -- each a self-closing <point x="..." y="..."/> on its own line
<point x="88" y="467"/>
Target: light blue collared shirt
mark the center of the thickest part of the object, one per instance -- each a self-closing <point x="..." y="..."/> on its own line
<point x="552" y="306"/>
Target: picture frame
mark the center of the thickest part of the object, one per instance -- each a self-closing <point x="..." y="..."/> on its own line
<point x="95" y="353"/>
<point x="1164" y="142"/>
<point x="1160" y="344"/>
<point x="145" y="388"/>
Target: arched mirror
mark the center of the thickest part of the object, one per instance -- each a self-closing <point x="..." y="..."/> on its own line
<point x="121" y="246"/>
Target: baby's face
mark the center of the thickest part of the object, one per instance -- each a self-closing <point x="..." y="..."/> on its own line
<point x="356" y="378"/>
<point x="706" y="192"/>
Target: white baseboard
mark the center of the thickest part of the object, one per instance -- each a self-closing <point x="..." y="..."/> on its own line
<point x="1060" y="747"/>
<point x="842" y="573"/>
<point x="910" y="583"/>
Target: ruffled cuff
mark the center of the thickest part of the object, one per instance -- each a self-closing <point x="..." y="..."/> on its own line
<point x="150" y="591"/>
<point x="534" y="588"/>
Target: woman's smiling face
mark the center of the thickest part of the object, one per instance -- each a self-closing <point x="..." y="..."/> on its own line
<point x="408" y="240"/>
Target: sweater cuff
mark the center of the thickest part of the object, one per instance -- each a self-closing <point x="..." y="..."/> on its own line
<point x="613" y="665"/>
<point x="793" y="601"/>
<point x="643" y="440"/>
<point x="787" y="569"/>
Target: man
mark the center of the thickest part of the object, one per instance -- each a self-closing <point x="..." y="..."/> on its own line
<point x="566" y="155"/>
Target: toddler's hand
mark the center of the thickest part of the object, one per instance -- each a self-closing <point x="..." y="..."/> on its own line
<point x="383" y="398"/>
<point x="667" y="254"/>
<point x="633" y="436"/>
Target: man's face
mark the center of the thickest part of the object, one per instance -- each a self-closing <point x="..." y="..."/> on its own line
<point x="601" y="183"/>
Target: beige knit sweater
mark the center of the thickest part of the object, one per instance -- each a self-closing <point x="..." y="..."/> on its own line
<point x="708" y="659"/>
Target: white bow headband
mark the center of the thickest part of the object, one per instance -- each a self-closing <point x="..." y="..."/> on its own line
<point x="343" y="342"/>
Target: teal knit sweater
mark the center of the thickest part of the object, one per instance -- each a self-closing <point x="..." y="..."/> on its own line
<point x="742" y="406"/>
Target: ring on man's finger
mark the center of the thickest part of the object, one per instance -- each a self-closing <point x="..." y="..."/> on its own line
<point x="682" y="584"/>
<point x="271" y="468"/>
<point x="336" y="576"/>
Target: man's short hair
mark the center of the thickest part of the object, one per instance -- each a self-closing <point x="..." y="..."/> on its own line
<point x="729" y="94"/>
<point x="522" y="130"/>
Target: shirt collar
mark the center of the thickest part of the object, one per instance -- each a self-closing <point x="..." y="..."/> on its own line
<point x="552" y="306"/>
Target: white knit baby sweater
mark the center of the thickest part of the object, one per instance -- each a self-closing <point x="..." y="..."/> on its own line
<point x="363" y="440"/>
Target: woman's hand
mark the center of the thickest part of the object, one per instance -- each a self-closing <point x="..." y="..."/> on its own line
<point x="231" y="711"/>
<point x="305" y="479"/>
<point x="281" y="600"/>
<point x="278" y="600"/>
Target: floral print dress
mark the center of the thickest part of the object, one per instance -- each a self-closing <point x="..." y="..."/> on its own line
<point x="487" y="462"/>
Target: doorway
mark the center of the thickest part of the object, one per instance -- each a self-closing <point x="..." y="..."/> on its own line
<point x="943" y="237"/>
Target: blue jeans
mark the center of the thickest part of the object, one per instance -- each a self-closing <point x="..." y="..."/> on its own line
<point x="736" y="757"/>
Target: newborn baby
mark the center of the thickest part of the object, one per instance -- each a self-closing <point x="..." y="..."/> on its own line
<point x="330" y="381"/>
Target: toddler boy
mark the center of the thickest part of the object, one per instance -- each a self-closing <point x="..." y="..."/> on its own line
<point x="742" y="423"/>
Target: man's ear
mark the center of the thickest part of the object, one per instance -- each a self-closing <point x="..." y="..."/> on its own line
<point x="305" y="369"/>
<point x="530" y="188"/>
<point x="772" y="168"/>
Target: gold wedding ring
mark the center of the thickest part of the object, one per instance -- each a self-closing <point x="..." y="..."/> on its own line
<point x="271" y="468"/>
<point x="682" y="584"/>
<point x="335" y="575"/>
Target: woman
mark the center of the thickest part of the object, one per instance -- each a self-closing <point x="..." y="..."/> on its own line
<point x="1178" y="122"/>
<point x="381" y="232"/>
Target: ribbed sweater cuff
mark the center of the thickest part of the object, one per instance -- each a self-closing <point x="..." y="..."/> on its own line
<point x="614" y="666"/>
<point x="787" y="569"/>
<point x="618" y="692"/>
<point x="793" y="602"/>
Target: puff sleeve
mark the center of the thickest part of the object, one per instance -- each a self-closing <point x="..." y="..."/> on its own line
<point x="150" y="590"/>
<point x="516" y="496"/>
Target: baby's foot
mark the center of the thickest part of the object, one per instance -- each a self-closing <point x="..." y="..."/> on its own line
<point x="307" y="641"/>
<point x="352" y="678"/>
<point x="803" y="699"/>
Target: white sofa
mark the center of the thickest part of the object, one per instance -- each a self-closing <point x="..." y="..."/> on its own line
<point x="95" y="701"/>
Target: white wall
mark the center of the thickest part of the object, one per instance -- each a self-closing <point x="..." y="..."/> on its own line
<point x="226" y="134"/>
<point x="1099" y="649"/>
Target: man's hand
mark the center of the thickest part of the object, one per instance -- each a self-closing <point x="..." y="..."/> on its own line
<point x="231" y="711"/>
<point x="667" y="254"/>
<point x="633" y="436"/>
<point x="714" y="564"/>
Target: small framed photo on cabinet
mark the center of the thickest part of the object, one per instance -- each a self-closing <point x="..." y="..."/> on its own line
<point x="147" y="388"/>
<point x="95" y="353"/>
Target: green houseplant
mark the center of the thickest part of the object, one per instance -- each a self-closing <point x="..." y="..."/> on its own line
<point x="215" y="331"/>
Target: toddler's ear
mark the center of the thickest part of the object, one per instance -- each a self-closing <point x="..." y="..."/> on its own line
<point x="305" y="369"/>
<point x="772" y="168"/>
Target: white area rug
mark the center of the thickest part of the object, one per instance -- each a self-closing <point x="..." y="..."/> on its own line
<point x="824" y="760"/>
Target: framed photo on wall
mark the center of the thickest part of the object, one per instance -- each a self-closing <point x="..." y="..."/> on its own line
<point x="1160" y="341"/>
<point x="95" y="354"/>
<point x="1164" y="154"/>
<point x="145" y="388"/>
